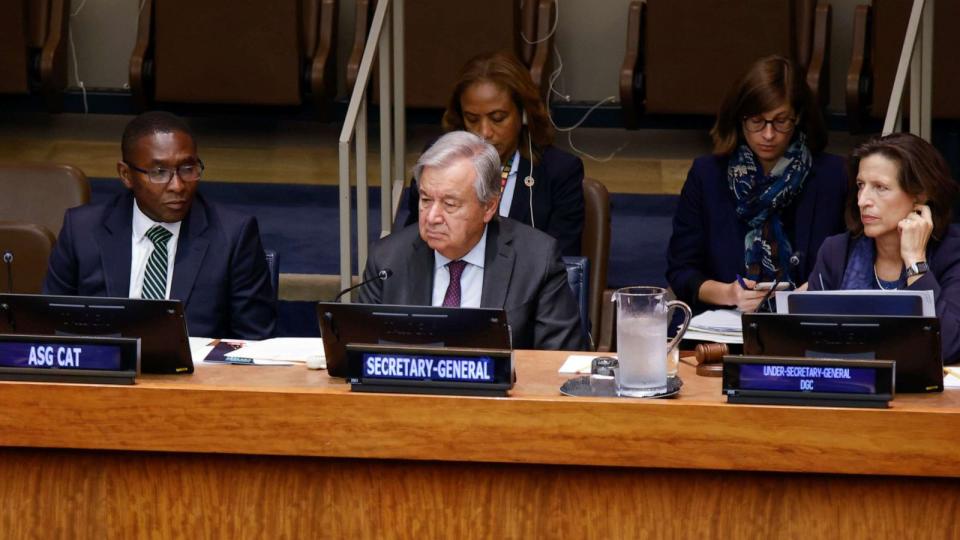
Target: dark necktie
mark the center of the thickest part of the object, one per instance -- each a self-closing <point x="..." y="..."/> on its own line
<point x="452" y="297"/>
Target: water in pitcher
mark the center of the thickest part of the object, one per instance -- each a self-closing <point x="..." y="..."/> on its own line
<point x="642" y="350"/>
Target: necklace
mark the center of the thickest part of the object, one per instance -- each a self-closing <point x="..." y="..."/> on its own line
<point x="879" y="283"/>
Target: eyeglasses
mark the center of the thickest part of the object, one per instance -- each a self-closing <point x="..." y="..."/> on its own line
<point x="188" y="172"/>
<point x="755" y="124"/>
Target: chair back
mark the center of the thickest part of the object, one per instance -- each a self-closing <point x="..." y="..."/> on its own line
<point x="223" y="51"/>
<point x="41" y="193"/>
<point x="578" y="277"/>
<point x="13" y="48"/>
<point x="694" y="58"/>
<point x="683" y="57"/>
<point x="24" y="254"/>
<point x="273" y="266"/>
<point x="441" y="35"/>
<point x="595" y="245"/>
<point x="33" y="51"/>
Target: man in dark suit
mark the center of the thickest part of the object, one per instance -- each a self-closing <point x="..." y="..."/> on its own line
<point x="161" y="239"/>
<point x="462" y="254"/>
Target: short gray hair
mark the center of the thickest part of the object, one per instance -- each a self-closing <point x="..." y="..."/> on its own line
<point x="458" y="145"/>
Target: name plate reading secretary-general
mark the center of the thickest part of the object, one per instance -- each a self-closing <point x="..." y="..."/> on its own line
<point x="69" y="359"/>
<point x="429" y="370"/>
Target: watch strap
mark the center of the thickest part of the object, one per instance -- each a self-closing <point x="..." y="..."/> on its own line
<point x="917" y="269"/>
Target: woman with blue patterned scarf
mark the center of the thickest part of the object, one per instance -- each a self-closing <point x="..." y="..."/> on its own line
<point x="758" y="208"/>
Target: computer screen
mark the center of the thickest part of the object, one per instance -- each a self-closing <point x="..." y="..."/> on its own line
<point x="160" y="324"/>
<point x="343" y="324"/>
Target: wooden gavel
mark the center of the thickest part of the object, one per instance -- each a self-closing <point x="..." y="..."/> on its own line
<point x="710" y="358"/>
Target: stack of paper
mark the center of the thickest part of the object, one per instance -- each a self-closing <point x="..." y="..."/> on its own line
<point x="718" y="326"/>
<point x="279" y="351"/>
<point x="951" y="377"/>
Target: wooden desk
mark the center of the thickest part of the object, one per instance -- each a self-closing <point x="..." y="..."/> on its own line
<point x="257" y="452"/>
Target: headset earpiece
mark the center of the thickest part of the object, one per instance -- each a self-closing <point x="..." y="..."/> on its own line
<point x="523" y="118"/>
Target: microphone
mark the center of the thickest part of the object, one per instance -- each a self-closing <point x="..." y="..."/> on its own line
<point x="8" y="260"/>
<point x="794" y="262"/>
<point x="381" y="275"/>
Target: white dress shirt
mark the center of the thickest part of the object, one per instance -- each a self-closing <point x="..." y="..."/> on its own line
<point x="506" y="199"/>
<point x="142" y="247"/>
<point x="471" y="280"/>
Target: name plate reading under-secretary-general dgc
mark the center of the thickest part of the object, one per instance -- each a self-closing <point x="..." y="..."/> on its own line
<point x="69" y="359"/>
<point x="429" y="370"/>
<point x="828" y="382"/>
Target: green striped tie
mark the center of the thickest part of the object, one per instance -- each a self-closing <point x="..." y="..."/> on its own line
<point x="155" y="276"/>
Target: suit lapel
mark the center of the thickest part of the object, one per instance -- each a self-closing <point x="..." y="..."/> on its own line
<point x="498" y="261"/>
<point x="421" y="264"/>
<point x="115" y="240"/>
<point x="191" y="248"/>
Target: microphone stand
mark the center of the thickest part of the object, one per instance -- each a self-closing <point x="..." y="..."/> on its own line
<point x="381" y="275"/>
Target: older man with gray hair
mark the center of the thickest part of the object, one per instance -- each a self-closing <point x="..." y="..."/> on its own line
<point x="462" y="254"/>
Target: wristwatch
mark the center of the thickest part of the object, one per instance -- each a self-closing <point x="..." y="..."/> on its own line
<point x="917" y="269"/>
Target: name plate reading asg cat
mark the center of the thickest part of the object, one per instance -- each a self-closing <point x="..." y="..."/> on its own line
<point x="70" y="359"/>
<point x="429" y="370"/>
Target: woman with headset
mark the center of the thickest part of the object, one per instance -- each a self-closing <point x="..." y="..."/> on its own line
<point x="541" y="186"/>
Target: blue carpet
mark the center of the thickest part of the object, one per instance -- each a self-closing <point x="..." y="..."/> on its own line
<point x="301" y="223"/>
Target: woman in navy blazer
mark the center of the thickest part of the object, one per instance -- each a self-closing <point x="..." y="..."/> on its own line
<point x="759" y="207"/>
<point x="542" y="186"/>
<point x="899" y="232"/>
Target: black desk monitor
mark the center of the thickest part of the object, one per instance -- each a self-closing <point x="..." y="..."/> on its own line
<point x="343" y="324"/>
<point x="867" y="304"/>
<point x="912" y="342"/>
<point x="160" y="324"/>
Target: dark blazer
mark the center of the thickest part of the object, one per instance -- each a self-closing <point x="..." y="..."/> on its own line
<point x="708" y="237"/>
<point x="220" y="273"/>
<point x="557" y="198"/>
<point x="943" y="279"/>
<point x="523" y="274"/>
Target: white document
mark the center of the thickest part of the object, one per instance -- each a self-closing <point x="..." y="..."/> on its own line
<point x="581" y="363"/>
<point x="200" y="347"/>
<point x="951" y="378"/>
<point x="717" y="326"/>
<point x="718" y="320"/>
<point x="714" y="337"/>
<point x="926" y="298"/>
<point x="279" y="351"/>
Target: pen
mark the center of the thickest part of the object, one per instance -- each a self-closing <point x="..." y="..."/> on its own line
<point x="741" y="282"/>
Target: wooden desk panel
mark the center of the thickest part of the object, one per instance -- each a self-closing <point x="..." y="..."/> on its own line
<point x="254" y="452"/>
<point x="292" y="411"/>
<point x="81" y="494"/>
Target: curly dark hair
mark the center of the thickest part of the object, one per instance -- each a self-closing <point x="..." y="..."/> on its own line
<point x="505" y="70"/>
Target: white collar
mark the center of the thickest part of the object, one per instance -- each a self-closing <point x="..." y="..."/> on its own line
<point x="475" y="256"/>
<point x="141" y="223"/>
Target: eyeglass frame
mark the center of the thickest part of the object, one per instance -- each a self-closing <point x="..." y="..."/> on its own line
<point x="170" y="172"/>
<point x="795" y="120"/>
